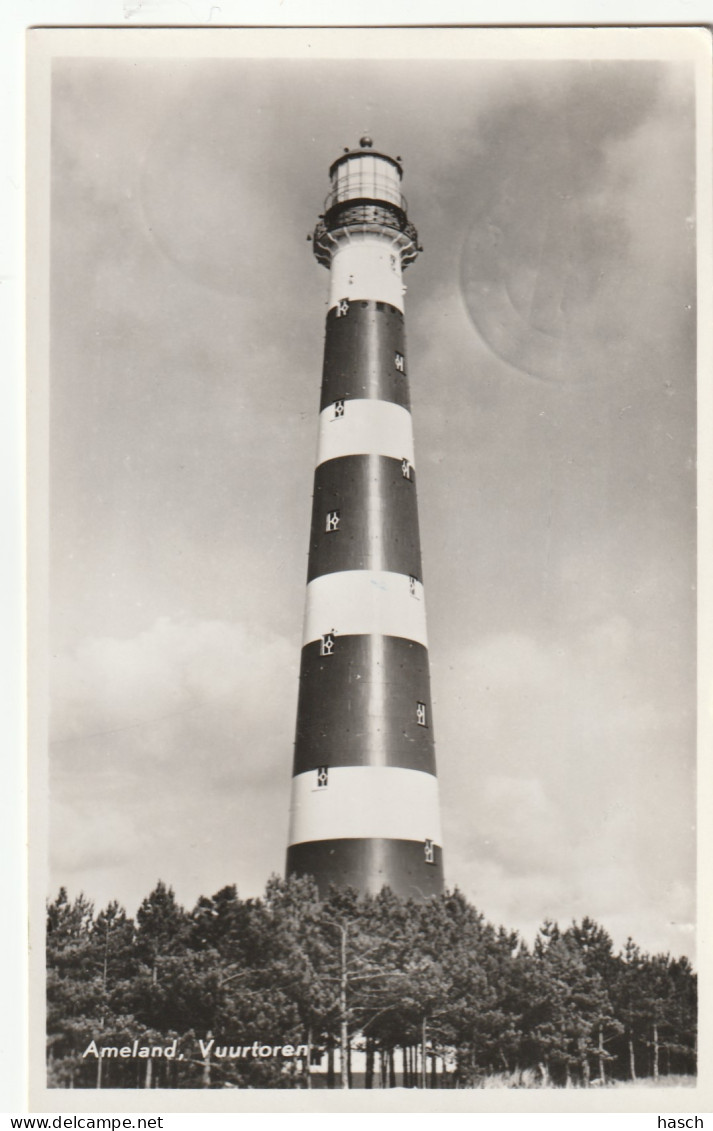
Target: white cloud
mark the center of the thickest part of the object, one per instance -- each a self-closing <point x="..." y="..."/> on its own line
<point x="173" y="667"/>
<point x="172" y="758"/>
<point x="557" y="791"/>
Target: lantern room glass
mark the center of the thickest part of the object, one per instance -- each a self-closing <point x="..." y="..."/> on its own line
<point x="367" y="177"/>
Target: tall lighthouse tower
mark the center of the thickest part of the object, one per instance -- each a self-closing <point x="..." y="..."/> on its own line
<point x="365" y="807"/>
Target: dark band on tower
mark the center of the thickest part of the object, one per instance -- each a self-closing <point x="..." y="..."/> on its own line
<point x="365" y="809"/>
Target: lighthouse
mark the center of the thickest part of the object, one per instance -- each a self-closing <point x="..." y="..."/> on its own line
<point x="364" y="810"/>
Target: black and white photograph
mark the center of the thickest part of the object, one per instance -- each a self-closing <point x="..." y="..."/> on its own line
<point x="364" y="418"/>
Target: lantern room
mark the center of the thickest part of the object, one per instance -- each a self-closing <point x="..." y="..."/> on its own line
<point x="365" y="199"/>
<point x="364" y="175"/>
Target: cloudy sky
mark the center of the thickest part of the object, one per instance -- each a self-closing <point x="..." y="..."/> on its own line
<point x="551" y="343"/>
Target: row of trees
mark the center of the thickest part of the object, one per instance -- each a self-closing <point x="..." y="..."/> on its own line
<point x="424" y="995"/>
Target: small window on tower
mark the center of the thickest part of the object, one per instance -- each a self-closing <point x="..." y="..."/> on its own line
<point x="327" y="645"/>
<point x="322" y="777"/>
<point x="338" y="409"/>
<point x="429" y="852"/>
<point x="421" y="714"/>
<point x="332" y="521"/>
<point x="412" y="583"/>
<point x="399" y="362"/>
<point x="406" y="469"/>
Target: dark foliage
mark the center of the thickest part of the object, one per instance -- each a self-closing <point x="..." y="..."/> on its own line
<point x="430" y="994"/>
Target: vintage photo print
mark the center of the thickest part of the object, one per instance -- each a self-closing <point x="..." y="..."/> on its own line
<point x="368" y="397"/>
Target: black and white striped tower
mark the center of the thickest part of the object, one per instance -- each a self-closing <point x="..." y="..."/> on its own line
<point x="365" y="809"/>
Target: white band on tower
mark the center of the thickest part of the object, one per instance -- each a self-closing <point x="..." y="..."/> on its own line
<point x="364" y="602"/>
<point x="366" y="266"/>
<point x="365" y="427"/>
<point x="365" y="801"/>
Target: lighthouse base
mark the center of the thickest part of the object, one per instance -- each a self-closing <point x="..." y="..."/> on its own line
<point x="369" y="865"/>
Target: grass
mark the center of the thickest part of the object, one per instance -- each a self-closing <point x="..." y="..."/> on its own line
<point x="662" y="1082"/>
<point x="528" y="1078"/>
